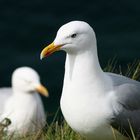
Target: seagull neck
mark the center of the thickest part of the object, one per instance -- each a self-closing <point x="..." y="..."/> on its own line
<point x="83" y="65"/>
<point x="19" y="92"/>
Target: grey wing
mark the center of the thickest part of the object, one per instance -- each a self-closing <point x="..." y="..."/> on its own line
<point x="128" y="98"/>
<point x="41" y="117"/>
<point x="5" y="93"/>
<point x="127" y="91"/>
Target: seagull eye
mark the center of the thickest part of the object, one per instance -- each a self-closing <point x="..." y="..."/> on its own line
<point x="73" y="35"/>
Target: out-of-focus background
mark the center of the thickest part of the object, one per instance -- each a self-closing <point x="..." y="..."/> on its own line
<point x="27" y="26"/>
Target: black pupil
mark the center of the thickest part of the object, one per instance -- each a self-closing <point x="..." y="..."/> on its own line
<point x="73" y="35"/>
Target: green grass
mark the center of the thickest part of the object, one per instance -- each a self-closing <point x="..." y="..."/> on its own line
<point x="54" y="131"/>
<point x="59" y="130"/>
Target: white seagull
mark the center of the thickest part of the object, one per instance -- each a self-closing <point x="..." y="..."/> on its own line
<point x="21" y="102"/>
<point x="96" y="104"/>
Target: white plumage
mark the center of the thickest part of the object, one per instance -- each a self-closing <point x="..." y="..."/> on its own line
<point x="22" y="104"/>
<point x="93" y="102"/>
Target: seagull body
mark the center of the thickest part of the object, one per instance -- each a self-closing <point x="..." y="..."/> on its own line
<point x="94" y="103"/>
<point x="22" y="104"/>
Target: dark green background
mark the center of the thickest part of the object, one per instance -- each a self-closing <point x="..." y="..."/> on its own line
<point x="27" y="25"/>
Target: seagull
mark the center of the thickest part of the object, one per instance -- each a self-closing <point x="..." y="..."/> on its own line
<point x="21" y="102"/>
<point x="98" y="105"/>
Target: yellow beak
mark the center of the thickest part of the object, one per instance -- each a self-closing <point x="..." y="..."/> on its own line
<point x="42" y="90"/>
<point x="49" y="50"/>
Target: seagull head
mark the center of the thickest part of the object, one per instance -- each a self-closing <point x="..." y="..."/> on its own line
<point x="25" y="79"/>
<point x="73" y="37"/>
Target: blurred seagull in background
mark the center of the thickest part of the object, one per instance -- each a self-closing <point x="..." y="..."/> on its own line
<point x="22" y="104"/>
<point x="96" y="104"/>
